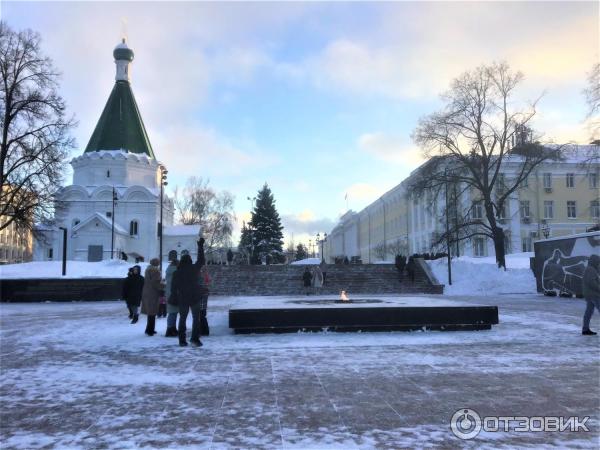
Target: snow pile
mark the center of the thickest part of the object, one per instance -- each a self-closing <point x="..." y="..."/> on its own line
<point x="75" y="269"/>
<point x="481" y="276"/>
<point x="307" y="261"/>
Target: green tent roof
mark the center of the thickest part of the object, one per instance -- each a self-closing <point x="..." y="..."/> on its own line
<point x="120" y="126"/>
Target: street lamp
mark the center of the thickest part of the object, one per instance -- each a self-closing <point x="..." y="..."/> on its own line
<point x="112" y="224"/>
<point x="163" y="183"/>
<point x="546" y="230"/>
<point x="64" y="255"/>
<point x="321" y="242"/>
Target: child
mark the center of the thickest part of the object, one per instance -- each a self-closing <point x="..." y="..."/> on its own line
<point x="162" y="305"/>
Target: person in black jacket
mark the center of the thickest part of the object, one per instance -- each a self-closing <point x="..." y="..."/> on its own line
<point x="410" y="268"/>
<point x="186" y="292"/>
<point x="132" y="292"/>
<point x="307" y="280"/>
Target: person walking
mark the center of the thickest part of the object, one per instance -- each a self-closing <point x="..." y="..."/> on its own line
<point x="186" y="292"/>
<point x="591" y="292"/>
<point x="132" y="292"/>
<point x="307" y="280"/>
<point x="400" y="264"/>
<point x="124" y="292"/>
<point x="410" y="268"/>
<point x="172" y="309"/>
<point x="204" y="291"/>
<point x="151" y="294"/>
<point x="317" y="280"/>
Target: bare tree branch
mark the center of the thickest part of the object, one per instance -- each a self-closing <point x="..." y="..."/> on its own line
<point x="35" y="132"/>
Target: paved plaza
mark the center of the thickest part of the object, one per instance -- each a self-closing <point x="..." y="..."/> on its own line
<point x="78" y="375"/>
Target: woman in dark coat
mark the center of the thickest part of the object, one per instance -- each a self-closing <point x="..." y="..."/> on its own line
<point x="151" y="294"/>
<point x="186" y="292"/>
<point x="307" y="280"/>
<point x="132" y="292"/>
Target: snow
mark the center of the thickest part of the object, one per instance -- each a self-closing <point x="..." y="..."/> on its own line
<point x="78" y="375"/>
<point x="75" y="269"/>
<point x="481" y="276"/>
<point x="307" y="262"/>
<point x="379" y="301"/>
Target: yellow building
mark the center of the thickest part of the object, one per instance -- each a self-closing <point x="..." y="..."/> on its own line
<point x="16" y="244"/>
<point x="558" y="198"/>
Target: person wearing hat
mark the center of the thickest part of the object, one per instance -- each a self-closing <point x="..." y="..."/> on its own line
<point x="151" y="295"/>
<point x="187" y="292"/>
<point x="172" y="309"/>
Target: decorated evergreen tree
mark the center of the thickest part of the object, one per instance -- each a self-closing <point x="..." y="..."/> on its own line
<point x="265" y="228"/>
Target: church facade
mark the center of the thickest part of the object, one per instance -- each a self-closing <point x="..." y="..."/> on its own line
<point x="113" y="208"/>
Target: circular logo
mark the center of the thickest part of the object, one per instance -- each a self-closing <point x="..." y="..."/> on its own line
<point x="465" y="423"/>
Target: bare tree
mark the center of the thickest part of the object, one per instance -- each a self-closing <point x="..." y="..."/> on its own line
<point x="380" y="251"/>
<point x="592" y="96"/>
<point x="198" y="204"/>
<point x="397" y="247"/>
<point x="35" y="132"/>
<point x="480" y="129"/>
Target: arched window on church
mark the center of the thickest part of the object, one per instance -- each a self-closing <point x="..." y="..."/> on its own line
<point x="133" y="228"/>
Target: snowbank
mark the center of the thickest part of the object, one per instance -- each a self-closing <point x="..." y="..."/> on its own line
<point x="75" y="269"/>
<point x="481" y="276"/>
<point x="307" y="261"/>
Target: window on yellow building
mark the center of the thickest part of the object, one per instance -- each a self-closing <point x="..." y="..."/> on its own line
<point x="570" y="180"/>
<point x="478" y="247"/>
<point x="525" y="209"/>
<point x="477" y="212"/>
<point x="572" y="209"/>
<point x="595" y="209"/>
<point x="548" y="209"/>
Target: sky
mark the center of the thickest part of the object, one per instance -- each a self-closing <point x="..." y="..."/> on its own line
<point x="317" y="99"/>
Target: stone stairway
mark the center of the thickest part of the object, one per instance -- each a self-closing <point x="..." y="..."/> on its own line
<point x="287" y="280"/>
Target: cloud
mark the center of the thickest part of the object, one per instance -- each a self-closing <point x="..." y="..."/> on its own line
<point x="413" y="51"/>
<point x="193" y="150"/>
<point x="362" y="193"/>
<point x="305" y="223"/>
<point x="392" y="149"/>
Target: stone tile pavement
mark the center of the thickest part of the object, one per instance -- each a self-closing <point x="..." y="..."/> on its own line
<point x="80" y="376"/>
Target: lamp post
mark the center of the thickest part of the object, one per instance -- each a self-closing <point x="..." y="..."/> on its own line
<point x="163" y="183"/>
<point x="546" y="230"/>
<point x="321" y="242"/>
<point x="112" y="224"/>
<point x="64" y="255"/>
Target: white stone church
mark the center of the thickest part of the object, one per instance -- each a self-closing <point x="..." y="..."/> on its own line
<point x="112" y="209"/>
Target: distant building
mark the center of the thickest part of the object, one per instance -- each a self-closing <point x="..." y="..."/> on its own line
<point x="557" y="199"/>
<point x="16" y="244"/>
<point x="113" y="207"/>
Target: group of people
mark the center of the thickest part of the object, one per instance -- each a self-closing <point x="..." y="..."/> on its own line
<point x="313" y="280"/>
<point x="402" y="264"/>
<point x="184" y="289"/>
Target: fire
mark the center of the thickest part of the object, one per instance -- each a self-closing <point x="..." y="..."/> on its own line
<point x="343" y="296"/>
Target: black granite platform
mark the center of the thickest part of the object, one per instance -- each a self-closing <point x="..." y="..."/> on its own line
<point x="398" y="314"/>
